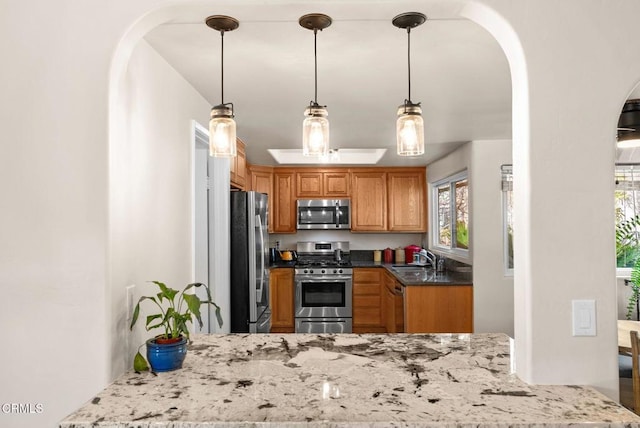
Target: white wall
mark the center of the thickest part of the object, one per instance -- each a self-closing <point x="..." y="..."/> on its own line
<point x="573" y="62"/>
<point x="150" y="190"/>
<point x="492" y="290"/>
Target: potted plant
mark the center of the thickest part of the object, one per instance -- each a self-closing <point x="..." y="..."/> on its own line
<point x="175" y="309"/>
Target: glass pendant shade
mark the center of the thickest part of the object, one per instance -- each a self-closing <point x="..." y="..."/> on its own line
<point x="410" y="131"/>
<point x="315" y="132"/>
<point x="222" y="127"/>
<point x="222" y="132"/>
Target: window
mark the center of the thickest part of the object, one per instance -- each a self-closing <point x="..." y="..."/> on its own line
<point x="451" y="217"/>
<point x="627" y="211"/>
<point x="507" y="217"/>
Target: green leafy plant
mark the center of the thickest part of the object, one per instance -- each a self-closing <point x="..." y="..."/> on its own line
<point x="175" y="309"/>
<point x="627" y="249"/>
<point x="634" y="283"/>
<point x="462" y="234"/>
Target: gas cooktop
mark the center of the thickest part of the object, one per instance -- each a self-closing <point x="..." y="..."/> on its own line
<point x="322" y="263"/>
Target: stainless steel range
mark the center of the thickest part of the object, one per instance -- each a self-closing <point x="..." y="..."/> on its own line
<point x="323" y="287"/>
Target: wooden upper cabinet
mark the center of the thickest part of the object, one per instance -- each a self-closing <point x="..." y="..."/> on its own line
<point x="284" y="201"/>
<point x="261" y="180"/>
<point x="322" y="183"/>
<point x="368" y="200"/>
<point x="309" y="184"/>
<point x="407" y="200"/>
<point x="336" y="184"/>
<point x="238" y="167"/>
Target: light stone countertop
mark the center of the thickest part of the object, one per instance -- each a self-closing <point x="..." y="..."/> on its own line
<point x="376" y="380"/>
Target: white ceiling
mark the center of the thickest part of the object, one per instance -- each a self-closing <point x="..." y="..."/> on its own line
<point x="458" y="73"/>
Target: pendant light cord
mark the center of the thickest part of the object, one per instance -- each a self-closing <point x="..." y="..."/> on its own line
<point x="315" y="61"/>
<point x="222" y="67"/>
<point x="409" y="60"/>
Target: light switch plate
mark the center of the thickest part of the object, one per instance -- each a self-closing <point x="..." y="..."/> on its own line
<point x="584" y="317"/>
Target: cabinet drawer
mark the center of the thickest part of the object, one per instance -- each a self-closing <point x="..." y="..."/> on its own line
<point x="367" y="275"/>
<point x="367" y="302"/>
<point x="366" y="289"/>
<point x="366" y="316"/>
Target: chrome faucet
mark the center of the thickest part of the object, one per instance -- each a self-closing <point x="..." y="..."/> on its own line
<point x="429" y="257"/>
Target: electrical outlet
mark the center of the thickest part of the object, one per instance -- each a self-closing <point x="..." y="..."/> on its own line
<point x="129" y="297"/>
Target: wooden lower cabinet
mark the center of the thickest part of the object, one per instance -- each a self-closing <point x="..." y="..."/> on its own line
<point x="438" y="309"/>
<point x="393" y="297"/>
<point x="368" y="313"/>
<point x="281" y="299"/>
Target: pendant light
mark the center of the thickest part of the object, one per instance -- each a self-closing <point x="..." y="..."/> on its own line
<point x="409" y="126"/>
<point x="315" y="128"/>
<point x="222" y="127"/>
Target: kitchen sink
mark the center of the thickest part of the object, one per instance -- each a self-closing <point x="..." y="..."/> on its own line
<point x="409" y="268"/>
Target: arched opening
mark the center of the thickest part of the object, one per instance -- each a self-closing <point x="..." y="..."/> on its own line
<point x="145" y="164"/>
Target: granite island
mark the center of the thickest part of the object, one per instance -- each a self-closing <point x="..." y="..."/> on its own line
<point x="376" y="380"/>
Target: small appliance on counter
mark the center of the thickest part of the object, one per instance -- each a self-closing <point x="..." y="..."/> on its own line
<point x="409" y="252"/>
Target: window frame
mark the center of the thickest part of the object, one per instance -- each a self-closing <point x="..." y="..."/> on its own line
<point x="625" y="271"/>
<point x="507" y="191"/>
<point x="455" y="252"/>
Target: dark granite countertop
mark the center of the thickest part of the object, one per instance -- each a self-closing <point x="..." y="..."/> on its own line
<point x="412" y="277"/>
<point x="417" y="276"/>
<point x="277" y="265"/>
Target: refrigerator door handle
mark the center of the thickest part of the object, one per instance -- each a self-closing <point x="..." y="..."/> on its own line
<point x="259" y="291"/>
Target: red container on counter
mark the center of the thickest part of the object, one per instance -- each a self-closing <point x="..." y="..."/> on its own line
<point x="388" y="255"/>
<point x="409" y="251"/>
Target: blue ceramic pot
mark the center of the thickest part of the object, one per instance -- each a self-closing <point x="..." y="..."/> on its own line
<point x="166" y="357"/>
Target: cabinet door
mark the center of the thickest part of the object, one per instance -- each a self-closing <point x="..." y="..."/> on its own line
<point x="368" y="313"/>
<point x="389" y="303"/>
<point x="284" y="202"/>
<point x="261" y="180"/>
<point x="336" y="184"/>
<point x="369" y="201"/>
<point x="238" y="167"/>
<point x="241" y="166"/>
<point x="281" y="300"/>
<point x="309" y="184"/>
<point x="407" y="201"/>
<point x="439" y="309"/>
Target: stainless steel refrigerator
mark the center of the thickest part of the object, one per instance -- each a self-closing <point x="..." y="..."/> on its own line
<point x="250" y="312"/>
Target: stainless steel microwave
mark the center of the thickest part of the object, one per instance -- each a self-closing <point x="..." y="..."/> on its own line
<point x="324" y="214"/>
